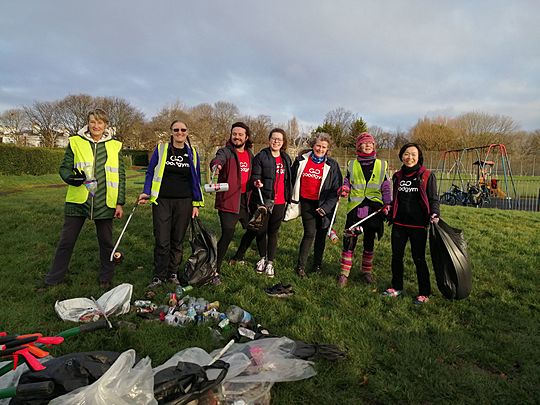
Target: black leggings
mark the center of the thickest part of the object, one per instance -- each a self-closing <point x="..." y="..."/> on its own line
<point x="418" y="238"/>
<point x="228" y="222"/>
<point x="313" y="231"/>
<point x="267" y="236"/>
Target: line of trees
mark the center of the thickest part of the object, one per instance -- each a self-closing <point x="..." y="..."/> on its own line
<point x="210" y="124"/>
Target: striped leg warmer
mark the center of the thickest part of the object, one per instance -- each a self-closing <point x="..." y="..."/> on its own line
<point x="367" y="261"/>
<point x="346" y="262"/>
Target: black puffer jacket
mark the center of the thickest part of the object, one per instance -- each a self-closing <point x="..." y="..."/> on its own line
<point x="264" y="169"/>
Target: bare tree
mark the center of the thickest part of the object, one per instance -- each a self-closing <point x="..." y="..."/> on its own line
<point x="435" y="134"/>
<point x="124" y="118"/>
<point x="13" y="123"/>
<point x="44" y="119"/>
<point x="259" y="127"/>
<point x="384" y="139"/>
<point x="73" y="111"/>
<point x="476" y="128"/>
<point x="158" y="127"/>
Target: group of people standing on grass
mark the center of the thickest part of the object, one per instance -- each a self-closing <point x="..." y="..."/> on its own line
<point x="310" y="187"/>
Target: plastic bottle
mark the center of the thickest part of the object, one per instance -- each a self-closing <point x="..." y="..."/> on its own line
<point x="238" y="315"/>
<point x="180" y="291"/>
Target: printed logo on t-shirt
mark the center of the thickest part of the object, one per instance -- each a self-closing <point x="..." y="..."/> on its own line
<point x="280" y="169"/>
<point x="313" y="173"/>
<point x="244" y="167"/>
<point x="178" y="161"/>
<point x="407" y="187"/>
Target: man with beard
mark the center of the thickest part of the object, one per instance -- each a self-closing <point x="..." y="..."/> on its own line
<point x="233" y="163"/>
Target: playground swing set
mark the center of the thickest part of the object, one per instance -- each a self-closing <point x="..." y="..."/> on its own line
<point x="487" y="183"/>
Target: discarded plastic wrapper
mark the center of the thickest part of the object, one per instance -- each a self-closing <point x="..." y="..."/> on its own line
<point x="113" y="302"/>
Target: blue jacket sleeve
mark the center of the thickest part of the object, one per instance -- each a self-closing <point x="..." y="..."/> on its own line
<point x="150" y="172"/>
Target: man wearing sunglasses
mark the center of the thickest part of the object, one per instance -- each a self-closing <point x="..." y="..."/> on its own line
<point x="233" y="163"/>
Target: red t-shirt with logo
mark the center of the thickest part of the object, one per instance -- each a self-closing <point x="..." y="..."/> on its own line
<point x="243" y="160"/>
<point x="279" y="184"/>
<point x="310" y="182"/>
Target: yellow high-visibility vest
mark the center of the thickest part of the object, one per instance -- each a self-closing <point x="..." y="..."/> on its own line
<point x="83" y="159"/>
<point x="362" y="188"/>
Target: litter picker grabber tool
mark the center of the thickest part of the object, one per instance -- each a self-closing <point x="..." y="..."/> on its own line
<point x="331" y="233"/>
<point x="118" y="258"/>
<point x="89" y="327"/>
<point x="352" y="229"/>
<point x="257" y="221"/>
<point x="215" y="187"/>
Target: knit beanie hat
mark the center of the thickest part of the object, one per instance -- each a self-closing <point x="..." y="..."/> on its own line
<point x="364" y="137"/>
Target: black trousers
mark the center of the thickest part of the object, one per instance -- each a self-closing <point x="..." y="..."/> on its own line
<point x="171" y="218"/>
<point x="228" y="221"/>
<point x="267" y="236"/>
<point x="418" y="238"/>
<point x="313" y="231"/>
<point x="70" y="232"/>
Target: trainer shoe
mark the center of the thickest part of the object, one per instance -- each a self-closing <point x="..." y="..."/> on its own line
<point x="174" y="279"/>
<point x="269" y="270"/>
<point x="261" y="265"/>
<point x="392" y="292"/>
<point x="342" y="281"/>
<point x="216" y="280"/>
<point x="421" y="299"/>
<point x="301" y="271"/>
<point x="154" y="283"/>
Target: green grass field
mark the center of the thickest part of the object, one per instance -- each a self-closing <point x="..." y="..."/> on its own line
<point x="482" y="350"/>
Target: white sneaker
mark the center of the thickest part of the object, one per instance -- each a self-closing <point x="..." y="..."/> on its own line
<point x="269" y="270"/>
<point x="261" y="265"/>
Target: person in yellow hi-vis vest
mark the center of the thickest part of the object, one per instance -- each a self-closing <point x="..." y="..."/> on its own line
<point x="173" y="186"/>
<point x="368" y="189"/>
<point x="94" y="170"/>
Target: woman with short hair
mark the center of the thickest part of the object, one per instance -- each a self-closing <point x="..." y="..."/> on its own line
<point x="316" y="178"/>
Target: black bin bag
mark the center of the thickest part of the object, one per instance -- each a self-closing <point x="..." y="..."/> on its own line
<point x="185" y="382"/>
<point x="201" y="266"/>
<point x="450" y="260"/>
<point x="68" y="373"/>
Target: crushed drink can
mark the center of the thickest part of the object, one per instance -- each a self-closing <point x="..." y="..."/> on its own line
<point x="334" y="238"/>
<point x="142" y="303"/>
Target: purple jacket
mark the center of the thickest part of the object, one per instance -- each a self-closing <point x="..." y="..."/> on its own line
<point x="226" y="157"/>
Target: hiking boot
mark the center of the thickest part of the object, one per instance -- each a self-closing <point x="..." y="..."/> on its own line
<point x="317" y="268"/>
<point x="155" y="283"/>
<point x="301" y="271"/>
<point x="174" y="279"/>
<point x="421" y="299"/>
<point x="342" y="281"/>
<point x="269" y="270"/>
<point x="392" y="292"/>
<point x="367" y="277"/>
<point x="261" y="266"/>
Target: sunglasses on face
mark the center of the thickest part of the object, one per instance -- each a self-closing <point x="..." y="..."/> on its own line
<point x="179" y="129"/>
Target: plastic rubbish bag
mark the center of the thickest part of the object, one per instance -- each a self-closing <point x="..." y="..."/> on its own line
<point x="450" y="259"/>
<point x="113" y="302"/>
<point x="124" y="383"/>
<point x="201" y="266"/>
<point x="68" y="373"/>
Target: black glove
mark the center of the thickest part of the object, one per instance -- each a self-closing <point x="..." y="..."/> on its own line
<point x="77" y="178"/>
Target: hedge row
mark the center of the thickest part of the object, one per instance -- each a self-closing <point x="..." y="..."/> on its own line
<point x="29" y="160"/>
<point x="17" y="160"/>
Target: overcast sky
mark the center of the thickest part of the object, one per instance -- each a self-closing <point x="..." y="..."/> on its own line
<point x="390" y="61"/>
